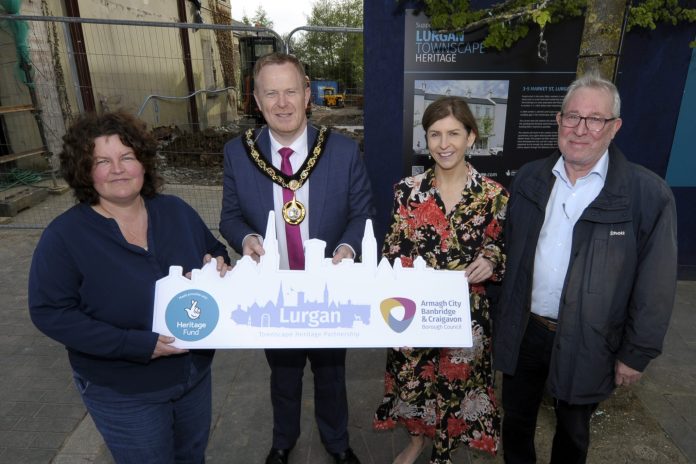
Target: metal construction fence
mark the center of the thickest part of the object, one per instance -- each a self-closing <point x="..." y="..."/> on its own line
<point x="189" y="82"/>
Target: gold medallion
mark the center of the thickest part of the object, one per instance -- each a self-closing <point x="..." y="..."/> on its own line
<point x="293" y="212"/>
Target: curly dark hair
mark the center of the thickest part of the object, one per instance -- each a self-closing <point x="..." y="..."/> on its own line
<point x="77" y="157"/>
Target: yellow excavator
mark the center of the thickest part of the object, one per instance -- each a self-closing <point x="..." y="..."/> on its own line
<point x="333" y="99"/>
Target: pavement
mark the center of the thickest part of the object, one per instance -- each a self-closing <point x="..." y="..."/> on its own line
<point x="42" y="419"/>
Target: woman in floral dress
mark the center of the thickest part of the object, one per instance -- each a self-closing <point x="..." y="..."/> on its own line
<point x="453" y="217"/>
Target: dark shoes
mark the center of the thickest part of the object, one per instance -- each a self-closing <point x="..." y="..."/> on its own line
<point x="278" y="456"/>
<point x="346" y="457"/>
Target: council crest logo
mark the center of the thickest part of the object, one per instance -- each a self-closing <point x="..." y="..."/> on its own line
<point x="402" y="307"/>
<point x="192" y="315"/>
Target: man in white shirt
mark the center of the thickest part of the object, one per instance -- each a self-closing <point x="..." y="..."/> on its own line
<point x="590" y="280"/>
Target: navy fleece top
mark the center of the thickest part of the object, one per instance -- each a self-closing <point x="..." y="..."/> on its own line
<point x="93" y="291"/>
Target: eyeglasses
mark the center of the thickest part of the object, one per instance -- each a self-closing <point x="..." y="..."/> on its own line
<point x="592" y="123"/>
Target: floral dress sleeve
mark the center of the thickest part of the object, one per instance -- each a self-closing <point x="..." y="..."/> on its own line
<point x="492" y="245"/>
<point x="396" y="243"/>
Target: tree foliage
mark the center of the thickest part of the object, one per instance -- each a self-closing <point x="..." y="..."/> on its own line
<point x="650" y="12"/>
<point x="334" y="55"/>
<point x="260" y="19"/>
<point x="510" y="20"/>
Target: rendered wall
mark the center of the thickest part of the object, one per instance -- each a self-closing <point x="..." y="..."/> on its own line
<point x="129" y="63"/>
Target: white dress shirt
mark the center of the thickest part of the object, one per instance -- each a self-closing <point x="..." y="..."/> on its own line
<point x="299" y="147"/>
<point x="565" y="206"/>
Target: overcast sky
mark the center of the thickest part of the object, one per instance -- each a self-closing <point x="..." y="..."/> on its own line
<point x="285" y="14"/>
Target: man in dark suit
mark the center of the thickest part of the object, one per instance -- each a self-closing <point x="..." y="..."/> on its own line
<point x="316" y="183"/>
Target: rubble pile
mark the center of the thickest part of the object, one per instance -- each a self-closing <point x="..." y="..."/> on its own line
<point x="196" y="158"/>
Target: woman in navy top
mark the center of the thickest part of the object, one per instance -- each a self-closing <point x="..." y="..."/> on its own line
<point x="92" y="287"/>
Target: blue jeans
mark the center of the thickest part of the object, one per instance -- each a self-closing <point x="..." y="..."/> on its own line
<point x="164" y="426"/>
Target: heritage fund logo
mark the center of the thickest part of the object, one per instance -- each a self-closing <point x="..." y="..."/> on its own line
<point x="192" y="315"/>
<point x="398" y="313"/>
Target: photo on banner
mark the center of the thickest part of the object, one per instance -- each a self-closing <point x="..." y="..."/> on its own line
<point x="488" y="103"/>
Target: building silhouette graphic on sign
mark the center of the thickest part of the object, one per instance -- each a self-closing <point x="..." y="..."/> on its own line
<point x="323" y="312"/>
<point x="305" y="314"/>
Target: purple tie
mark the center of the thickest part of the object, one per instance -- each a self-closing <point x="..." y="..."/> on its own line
<point x="292" y="232"/>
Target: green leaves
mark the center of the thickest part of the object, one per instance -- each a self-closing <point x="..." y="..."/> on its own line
<point x="510" y="20"/>
<point x="260" y="19"/>
<point x="541" y="17"/>
<point x="650" y="12"/>
<point x="331" y="55"/>
<point x="501" y="36"/>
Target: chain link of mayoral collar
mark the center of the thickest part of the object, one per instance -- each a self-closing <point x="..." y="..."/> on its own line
<point x="295" y="181"/>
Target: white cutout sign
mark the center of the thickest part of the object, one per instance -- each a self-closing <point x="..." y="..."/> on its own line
<point x="366" y="304"/>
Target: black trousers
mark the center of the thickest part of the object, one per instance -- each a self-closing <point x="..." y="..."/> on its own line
<point x="522" y="396"/>
<point x="330" y="398"/>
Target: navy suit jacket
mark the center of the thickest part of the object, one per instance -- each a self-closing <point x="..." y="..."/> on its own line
<point x="340" y="198"/>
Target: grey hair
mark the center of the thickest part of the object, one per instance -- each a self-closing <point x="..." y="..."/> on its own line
<point x="594" y="81"/>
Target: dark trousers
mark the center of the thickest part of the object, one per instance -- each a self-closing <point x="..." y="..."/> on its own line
<point x="522" y="396"/>
<point x="330" y="398"/>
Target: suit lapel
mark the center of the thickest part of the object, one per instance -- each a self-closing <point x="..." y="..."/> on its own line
<point x="265" y="186"/>
<point x="318" y="185"/>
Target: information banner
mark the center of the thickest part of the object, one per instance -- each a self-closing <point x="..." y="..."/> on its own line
<point x="366" y="304"/>
<point x="514" y="94"/>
